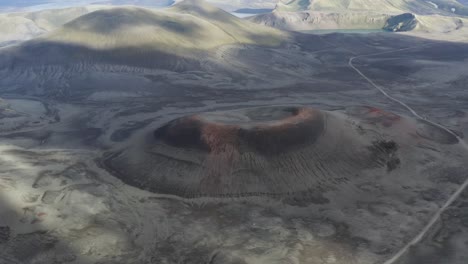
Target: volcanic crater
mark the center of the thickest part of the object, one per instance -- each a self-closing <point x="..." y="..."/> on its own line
<point x="266" y="131"/>
<point x="272" y="151"/>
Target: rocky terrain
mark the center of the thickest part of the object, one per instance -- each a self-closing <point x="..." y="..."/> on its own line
<point x="187" y="135"/>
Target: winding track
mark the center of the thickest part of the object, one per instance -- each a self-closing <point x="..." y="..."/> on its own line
<point x="454" y="196"/>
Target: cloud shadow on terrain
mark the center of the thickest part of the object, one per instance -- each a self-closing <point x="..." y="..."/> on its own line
<point x="64" y="54"/>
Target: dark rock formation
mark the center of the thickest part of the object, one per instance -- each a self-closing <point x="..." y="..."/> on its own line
<point x="403" y="22"/>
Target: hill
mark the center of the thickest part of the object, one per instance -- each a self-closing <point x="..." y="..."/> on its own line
<point x="189" y="36"/>
<point x="141" y="37"/>
<point x="20" y="26"/>
<point x="189" y="25"/>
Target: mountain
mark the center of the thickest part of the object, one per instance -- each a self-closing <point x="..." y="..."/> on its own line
<point x="22" y="25"/>
<point x="444" y="15"/>
<point x="128" y="39"/>
<point x="184" y="28"/>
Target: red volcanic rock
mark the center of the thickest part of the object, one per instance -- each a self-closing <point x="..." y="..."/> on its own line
<point x="379" y="116"/>
<point x="224" y="141"/>
<point x="420" y="129"/>
<point x="296" y="127"/>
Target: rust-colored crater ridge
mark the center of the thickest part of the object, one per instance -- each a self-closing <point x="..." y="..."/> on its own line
<point x="267" y="131"/>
